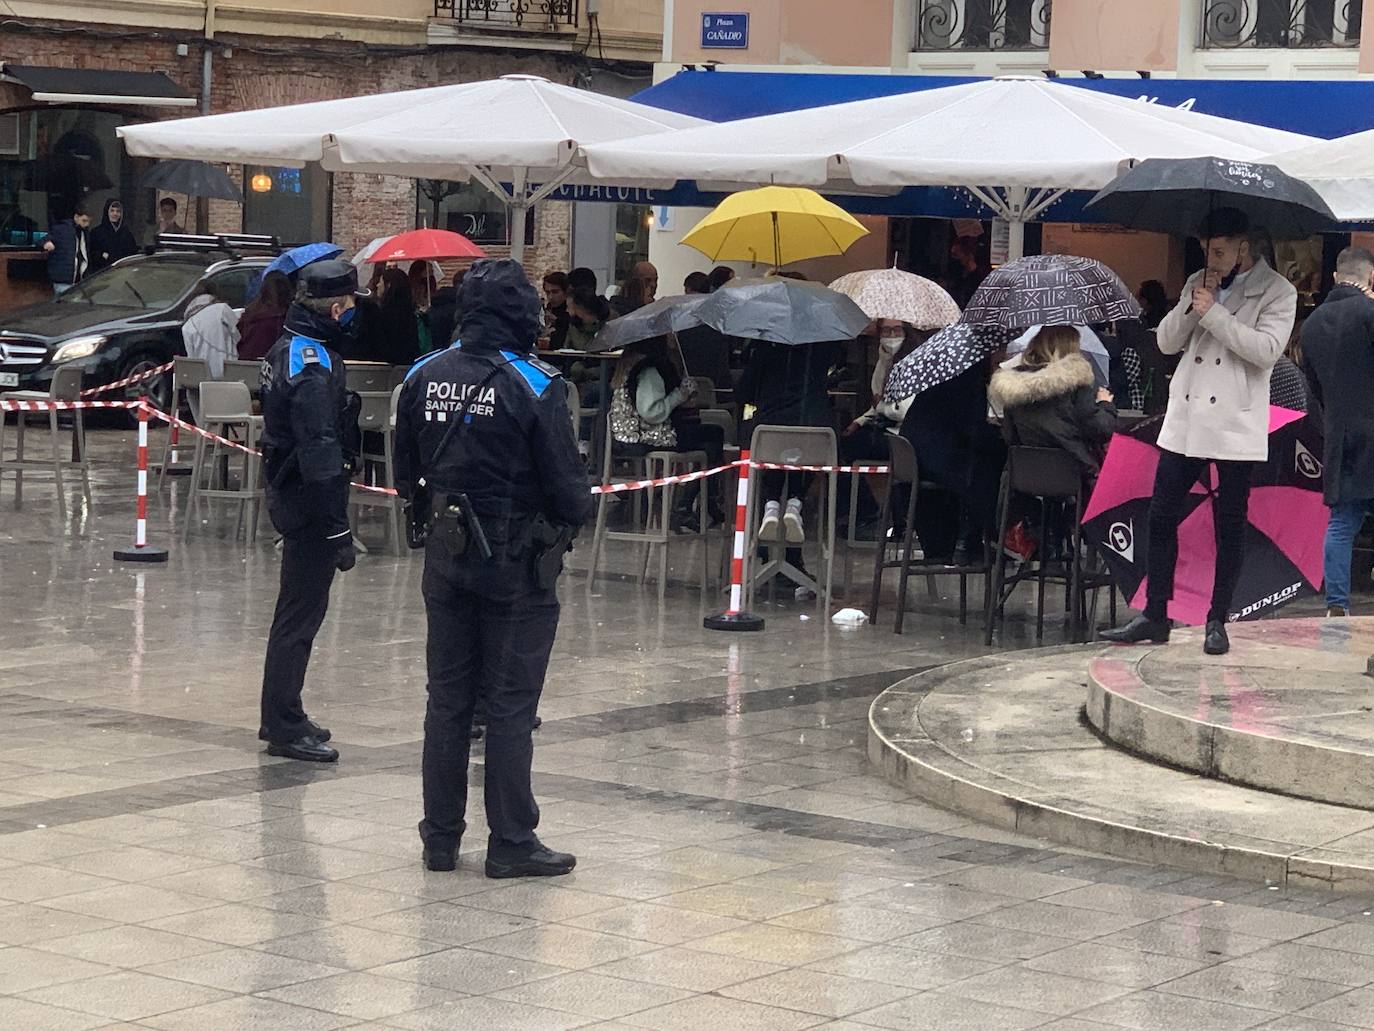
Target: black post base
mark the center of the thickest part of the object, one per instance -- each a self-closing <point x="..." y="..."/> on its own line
<point x="144" y="554"/>
<point x="738" y="621"/>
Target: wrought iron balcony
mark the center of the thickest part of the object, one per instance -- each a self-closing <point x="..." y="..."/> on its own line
<point x="1287" y="24"/>
<point x="518" y="14"/>
<point x="982" y="24"/>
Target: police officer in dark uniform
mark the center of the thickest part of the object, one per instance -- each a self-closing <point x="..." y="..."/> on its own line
<point x="484" y="442"/>
<point x="303" y="408"/>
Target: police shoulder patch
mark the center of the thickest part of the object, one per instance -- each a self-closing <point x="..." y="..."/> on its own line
<point x="306" y="351"/>
<point x="536" y="374"/>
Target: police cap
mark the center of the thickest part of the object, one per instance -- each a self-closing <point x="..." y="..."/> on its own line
<point x="332" y="278"/>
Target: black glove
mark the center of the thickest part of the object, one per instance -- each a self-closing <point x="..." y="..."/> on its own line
<point x="346" y="557"/>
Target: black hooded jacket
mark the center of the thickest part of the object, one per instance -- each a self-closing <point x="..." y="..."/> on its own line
<point x="513" y="454"/>
<point x="111" y="241"/>
<point x="303" y="400"/>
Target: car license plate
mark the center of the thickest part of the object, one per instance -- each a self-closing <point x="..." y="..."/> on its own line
<point x="9" y="379"/>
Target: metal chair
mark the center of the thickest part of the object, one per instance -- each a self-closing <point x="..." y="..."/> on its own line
<point x="903" y="469"/>
<point x="652" y="511"/>
<point x="65" y="386"/>
<point x="378" y="418"/>
<point x="1050" y="475"/>
<point x="793" y="445"/>
<point x="225" y="407"/>
<point x="187" y="376"/>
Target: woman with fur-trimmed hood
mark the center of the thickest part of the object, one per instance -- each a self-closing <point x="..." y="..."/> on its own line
<point x="1049" y="400"/>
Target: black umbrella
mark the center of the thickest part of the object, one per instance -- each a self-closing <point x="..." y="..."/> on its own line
<point x="658" y="318"/>
<point x="785" y="311"/>
<point x="193" y="178"/>
<point x="949" y="353"/>
<point x="1175" y="195"/>
<point x="1050" y="290"/>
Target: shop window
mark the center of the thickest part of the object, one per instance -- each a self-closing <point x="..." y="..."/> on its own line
<point x="467" y="208"/>
<point x="292" y="204"/>
<point x="53" y="158"/>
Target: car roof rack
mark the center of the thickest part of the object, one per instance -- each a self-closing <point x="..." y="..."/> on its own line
<point x="233" y="244"/>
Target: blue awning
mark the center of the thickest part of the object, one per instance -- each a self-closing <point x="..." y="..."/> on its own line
<point x="1317" y="108"/>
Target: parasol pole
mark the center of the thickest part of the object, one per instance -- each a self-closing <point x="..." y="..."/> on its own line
<point x="777" y="244"/>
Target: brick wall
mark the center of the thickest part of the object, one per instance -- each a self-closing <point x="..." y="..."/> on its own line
<point x="265" y="72"/>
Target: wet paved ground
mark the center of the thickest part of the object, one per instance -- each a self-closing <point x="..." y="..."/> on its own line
<point x="740" y="865"/>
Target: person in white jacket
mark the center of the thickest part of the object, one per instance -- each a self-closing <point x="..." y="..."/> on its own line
<point x="1230" y="326"/>
<point x="211" y="332"/>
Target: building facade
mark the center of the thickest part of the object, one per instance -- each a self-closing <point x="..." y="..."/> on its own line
<point x="71" y="72"/>
<point x="1116" y="39"/>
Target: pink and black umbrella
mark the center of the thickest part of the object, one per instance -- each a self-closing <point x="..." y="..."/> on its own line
<point x="1287" y="522"/>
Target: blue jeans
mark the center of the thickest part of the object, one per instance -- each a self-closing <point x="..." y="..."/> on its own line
<point x="58" y="289"/>
<point x="1346" y="520"/>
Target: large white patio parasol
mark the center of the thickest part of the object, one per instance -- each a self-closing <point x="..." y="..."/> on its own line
<point x="516" y="135"/>
<point x="1016" y="144"/>
<point x="1340" y="170"/>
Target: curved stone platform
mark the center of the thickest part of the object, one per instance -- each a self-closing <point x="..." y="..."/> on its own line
<point x="1002" y="739"/>
<point x="1289" y="709"/>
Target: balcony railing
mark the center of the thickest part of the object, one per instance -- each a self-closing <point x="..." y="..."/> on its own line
<point x="1228" y="24"/>
<point x="519" y="14"/>
<point x="982" y="24"/>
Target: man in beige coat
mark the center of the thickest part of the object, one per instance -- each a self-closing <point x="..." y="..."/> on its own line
<point x="1230" y="327"/>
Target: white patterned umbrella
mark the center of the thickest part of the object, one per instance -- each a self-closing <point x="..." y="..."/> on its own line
<point x="890" y="293"/>
<point x="1050" y="290"/>
<point x="949" y="353"/>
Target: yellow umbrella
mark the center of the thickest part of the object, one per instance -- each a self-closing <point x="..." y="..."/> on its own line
<point x="774" y="225"/>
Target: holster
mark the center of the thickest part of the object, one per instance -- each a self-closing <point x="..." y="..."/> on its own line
<point x="417" y="513"/>
<point x="549" y="542"/>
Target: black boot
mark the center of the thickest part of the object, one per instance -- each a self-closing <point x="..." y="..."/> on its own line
<point x="1216" y="642"/>
<point x="1142" y="628"/>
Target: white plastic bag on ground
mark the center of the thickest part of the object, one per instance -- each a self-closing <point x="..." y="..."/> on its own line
<point x="849" y="617"/>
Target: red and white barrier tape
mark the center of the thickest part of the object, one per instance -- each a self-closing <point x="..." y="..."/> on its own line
<point x="868" y="469"/>
<point x="62" y="406"/>
<point x="128" y="381"/>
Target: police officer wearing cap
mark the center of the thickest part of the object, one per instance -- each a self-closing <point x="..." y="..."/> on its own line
<point x="485" y="456"/>
<point x="303" y="409"/>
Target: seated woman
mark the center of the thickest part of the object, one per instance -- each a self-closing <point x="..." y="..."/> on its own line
<point x="647" y="414"/>
<point x="1049" y="399"/>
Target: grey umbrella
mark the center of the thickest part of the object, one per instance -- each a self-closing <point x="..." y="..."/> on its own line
<point x="785" y="311"/>
<point x="665" y="315"/>
<point x="193" y="178"/>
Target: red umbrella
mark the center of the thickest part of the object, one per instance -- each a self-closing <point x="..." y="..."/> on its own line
<point x="426" y="245"/>
<point x="1287" y="522"/>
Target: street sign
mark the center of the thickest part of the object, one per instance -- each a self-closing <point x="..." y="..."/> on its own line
<point x="724" y="31"/>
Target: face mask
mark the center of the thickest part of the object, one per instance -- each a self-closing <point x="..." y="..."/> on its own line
<point x="891" y="344"/>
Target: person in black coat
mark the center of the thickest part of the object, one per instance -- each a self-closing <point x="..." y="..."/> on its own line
<point x="1050" y="400"/>
<point x="444" y="314"/>
<point x="68" y="250"/>
<point x="112" y="239"/>
<point x="958" y="453"/>
<point x="1338" y="359"/>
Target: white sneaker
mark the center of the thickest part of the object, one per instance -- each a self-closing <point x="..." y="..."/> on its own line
<point x="768" y="529"/>
<point x="792" y="522"/>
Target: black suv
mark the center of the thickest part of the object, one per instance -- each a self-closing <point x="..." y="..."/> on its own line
<point x="121" y="321"/>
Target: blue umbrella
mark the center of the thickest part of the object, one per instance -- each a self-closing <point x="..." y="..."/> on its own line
<point x="297" y="258"/>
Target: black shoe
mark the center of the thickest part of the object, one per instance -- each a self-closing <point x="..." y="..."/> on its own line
<point x="1336" y="612"/>
<point x="440" y="861"/>
<point x="538" y="722"/>
<point x="1137" y="630"/>
<point x="1216" y="642"/>
<point x="541" y="862"/>
<point x="311" y="727"/>
<point x="308" y="749"/>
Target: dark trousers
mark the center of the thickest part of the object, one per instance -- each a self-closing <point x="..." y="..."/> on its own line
<point x="307" y="570"/>
<point x="1174" y="480"/>
<point x="490" y="635"/>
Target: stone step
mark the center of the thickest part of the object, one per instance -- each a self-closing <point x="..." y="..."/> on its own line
<point x="1288" y="709"/>
<point x="1002" y="739"/>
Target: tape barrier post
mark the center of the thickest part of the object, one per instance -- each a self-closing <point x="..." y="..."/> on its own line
<point x="173" y="459"/>
<point x="140" y="552"/>
<point x="732" y="618"/>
